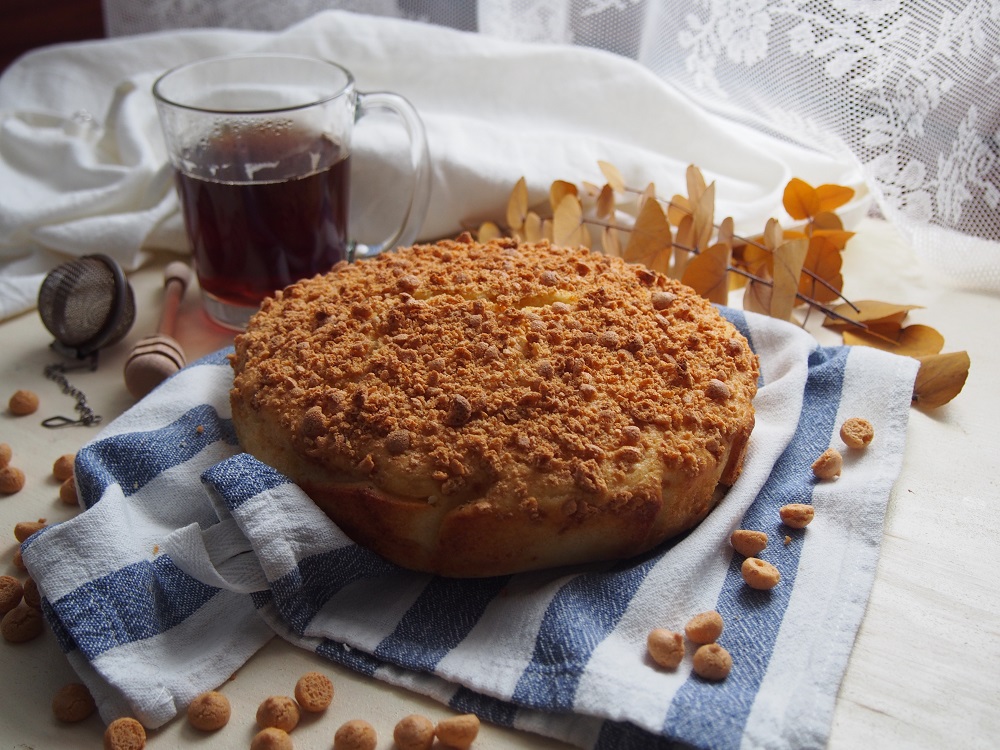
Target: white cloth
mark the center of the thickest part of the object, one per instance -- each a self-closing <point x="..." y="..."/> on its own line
<point x="83" y="166"/>
<point x="190" y="555"/>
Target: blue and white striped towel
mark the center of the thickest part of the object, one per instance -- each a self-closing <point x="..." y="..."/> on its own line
<point x="191" y="555"/>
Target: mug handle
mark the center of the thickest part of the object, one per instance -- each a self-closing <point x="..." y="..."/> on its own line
<point x="420" y="195"/>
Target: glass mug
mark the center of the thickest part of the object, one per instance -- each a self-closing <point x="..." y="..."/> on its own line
<point x="261" y="146"/>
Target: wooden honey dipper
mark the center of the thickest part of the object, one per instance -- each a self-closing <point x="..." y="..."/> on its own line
<point x="158" y="356"/>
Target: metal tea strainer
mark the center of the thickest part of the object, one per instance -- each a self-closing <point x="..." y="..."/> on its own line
<point x="86" y="304"/>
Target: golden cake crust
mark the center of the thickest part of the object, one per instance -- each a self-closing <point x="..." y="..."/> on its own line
<point x="478" y="409"/>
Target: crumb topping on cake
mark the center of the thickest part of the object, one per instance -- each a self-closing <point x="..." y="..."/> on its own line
<point x="498" y="373"/>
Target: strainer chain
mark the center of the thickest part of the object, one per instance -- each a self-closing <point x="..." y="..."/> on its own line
<point x="57" y="374"/>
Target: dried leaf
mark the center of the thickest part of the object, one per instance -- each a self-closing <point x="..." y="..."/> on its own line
<point x="788" y="259"/>
<point x="683" y="246"/>
<point x="832" y="197"/>
<point x="488" y="231"/>
<point x="726" y="233"/>
<point x="940" y="378"/>
<point x="610" y="242"/>
<point x="757" y="260"/>
<point x="704" y="218"/>
<point x="913" y="341"/>
<point x="827" y="220"/>
<point x="651" y="240"/>
<point x="707" y="273"/>
<point x="836" y="237"/>
<point x="800" y="199"/>
<point x="567" y="224"/>
<point x="532" y="229"/>
<point x="679" y="207"/>
<point x="648" y="194"/>
<point x="517" y="206"/>
<point x="823" y="261"/>
<point x="559" y="190"/>
<point x="613" y="176"/>
<point x="695" y="184"/>
<point x="889" y="330"/>
<point x="727" y="237"/>
<point x="605" y="202"/>
<point x="757" y="298"/>
<point x="773" y="235"/>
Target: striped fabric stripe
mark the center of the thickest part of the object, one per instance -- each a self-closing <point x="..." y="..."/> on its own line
<point x="132" y="460"/>
<point x="754" y="617"/>
<point x="580" y="616"/>
<point x="560" y="653"/>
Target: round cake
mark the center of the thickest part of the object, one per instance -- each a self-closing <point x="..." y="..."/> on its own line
<point x="473" y="409"/>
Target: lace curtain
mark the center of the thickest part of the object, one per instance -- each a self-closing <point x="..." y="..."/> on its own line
<point x="908" y="88"/>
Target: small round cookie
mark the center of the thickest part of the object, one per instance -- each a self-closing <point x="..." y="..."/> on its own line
<point x="73" y="703"/>
<point x="857" y="433"/>
<point x="748" y="542"/>
<point x="209" y="712"/>
<point x="67" y="492"/>
<point x="760" y="574"/>
<point x="23" y="402"/>
<point x="278" y="711"/>
<point x="11" y="593"/>
<point x="24" y="529"/>
<point x="124" y="734"/>
<point x="704" y="628"/>
<point x="271" y="738"/>
<point x="665" y="647"/>
<point x="796" y="515"/>
<point x="6" y="454"/>
<point x="62" y="467"/>
<point x="21" y="624"/>
<point x="828" y="465"/>
<point x="458" y="731"/>
<point x="712" y="662"/>
<point x="11" y="480"/>
<point x="356" y="734"/>
<point x="314" y="692"/>
<point x="414" y="732"/>
<point x="32" y="596"/>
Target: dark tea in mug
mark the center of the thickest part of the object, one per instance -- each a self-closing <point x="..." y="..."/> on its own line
<point x="273" y="210"/>
<point x="261" y="144"/>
